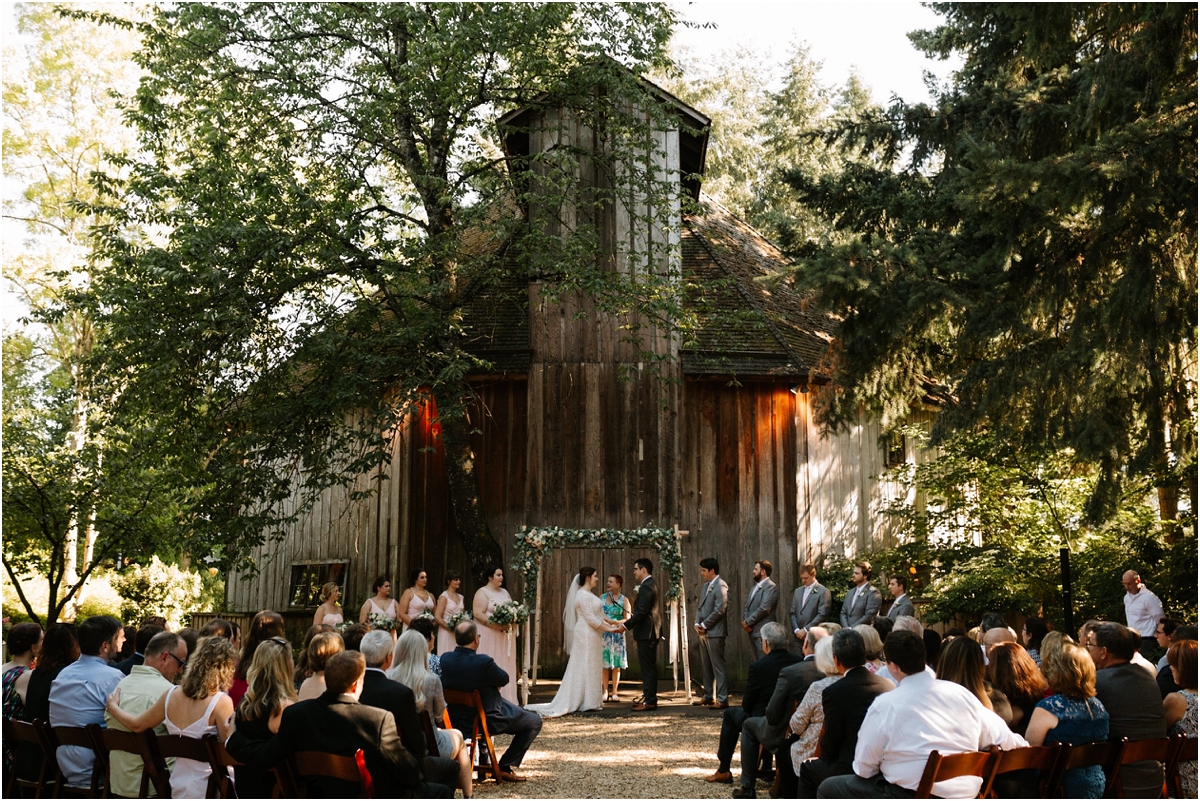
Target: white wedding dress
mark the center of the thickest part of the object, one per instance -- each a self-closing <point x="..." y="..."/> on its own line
<point x="583" y="682"/>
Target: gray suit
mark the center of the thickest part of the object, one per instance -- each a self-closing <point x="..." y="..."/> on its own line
<point x="806" y="614"/>
<point x="759" y="611"/>
<point x="902" y="606"/>
<point x="768" y="731"/>
<point x="863" y="609"/>
<point x="714" y="602"/>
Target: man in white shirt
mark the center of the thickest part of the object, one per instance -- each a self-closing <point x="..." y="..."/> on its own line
<point x="904" y="726"/>
<point x="1143" y="610"/>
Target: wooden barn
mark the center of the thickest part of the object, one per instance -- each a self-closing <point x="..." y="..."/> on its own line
<point x="576" y="431"/>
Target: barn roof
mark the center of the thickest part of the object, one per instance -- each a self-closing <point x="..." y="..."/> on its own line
<point x="748" y="324"/>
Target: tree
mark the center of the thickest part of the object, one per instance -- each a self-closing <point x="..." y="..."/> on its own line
<point x="322" y="193"/>
<point x="1028" y="242"/>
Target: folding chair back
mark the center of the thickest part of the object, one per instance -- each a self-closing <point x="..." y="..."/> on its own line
<point x="479" y="729"/>
<point x="34" y="734"/>
<point x="79" y="737"/>
<point x="1043" y="758"/>
<point x="1106" y="755"/>
<point x="1160" y="749"/>
<point x="1186" y="752"/>
<point x="136" y="744"/>
<point x="939" y="768"/>
<point x="350" y="769"/>
<point x="430" y="735"/>
<point x="206" y="749"/>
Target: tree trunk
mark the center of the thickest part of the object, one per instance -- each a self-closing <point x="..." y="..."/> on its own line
<point x="469" y="518"/>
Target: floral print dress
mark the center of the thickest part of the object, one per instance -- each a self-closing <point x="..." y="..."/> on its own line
<point x="614" y="654"/>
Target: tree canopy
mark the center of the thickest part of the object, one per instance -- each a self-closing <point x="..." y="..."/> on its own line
<point x="1025" y="247"/>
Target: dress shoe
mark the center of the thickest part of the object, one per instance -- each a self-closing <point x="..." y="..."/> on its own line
<point x="720" y="778"/>
<point x="702" y="702"/>
<point x="719" y="705"/>
<point x="506" y="775"/>
<point x="644" y="707"/>
<point x="743" y="792"/>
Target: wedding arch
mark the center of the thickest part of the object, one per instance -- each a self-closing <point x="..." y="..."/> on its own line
<point x="532" y="545"/>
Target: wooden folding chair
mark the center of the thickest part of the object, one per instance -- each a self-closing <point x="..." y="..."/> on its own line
<point x="80" y="737"/>
<point x="1159" y="749"/>
<point x="137" y="744"/>
<point x="940" y="767"/>
<point x="204" y="749"/>
<point x="1106" y="755"/>
<point x="430" y="736"/>
<point x="33" y="733"/>
<point x="1186" y="752"/>
<point x="479" y="728"/>
<point x="1043" y="758"/>
<point x="351" y="769"/>
<point x="774" y="791"/>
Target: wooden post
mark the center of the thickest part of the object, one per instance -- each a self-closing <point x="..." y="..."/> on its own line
<point x="683" y="619"/>
<point x="537" y="629"/>
<point x="675" y="635"/>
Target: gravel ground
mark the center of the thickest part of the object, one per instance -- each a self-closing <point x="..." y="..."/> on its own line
<point x="618" y="753"/>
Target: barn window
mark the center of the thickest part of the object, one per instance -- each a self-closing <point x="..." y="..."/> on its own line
<point x="894" y="450"/>
<point x="309" y="577"/>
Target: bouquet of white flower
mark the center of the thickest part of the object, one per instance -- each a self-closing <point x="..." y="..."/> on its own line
<point x="509" y="613"/>
<point x="381" y="622"/>
<point x="454" y="620"/>
<point x="426" y="616"/>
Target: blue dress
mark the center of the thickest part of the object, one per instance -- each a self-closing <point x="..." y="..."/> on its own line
<point x="1079" y="723"/>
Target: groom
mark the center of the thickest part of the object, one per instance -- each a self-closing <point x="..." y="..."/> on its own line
<point x="645" y="623"/>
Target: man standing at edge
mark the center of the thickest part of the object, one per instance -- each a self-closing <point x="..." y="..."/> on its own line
<point x="902" y="604"/>
<point x="712" y="630"/>
<point x="760" y="605"/>
<point x="1143" y="610"/>
<point x="645" y="623"/>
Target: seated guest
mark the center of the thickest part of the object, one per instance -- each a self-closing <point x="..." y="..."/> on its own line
<point x="883" y="627"/>
<point x="59" y="649"/>
<point x="302" y="672"/>
<point x="1072" y="714"/>
<point x="874" y="646"/>
<point x="1011" y="671"/>
<point x="337" y="723"/>
<point x="127" y="646"/>
<point x="428" y="629"/>
<point x="846" y="703"/>
<point x="78" y="695"/>
<point x="1053" y="643"/>
<point x="962" y="663"/>
<point x="991" y="620"/>
<point x="1179" y="708"/>
<point x="904" y="726"/>
<point x="265" y="625"/>
<point x="792" y="686"/>
<point x="190" y="637"/>
<point x="218" y="627"/>
<point x="1132" y="699"/>
<point x="1162" y="636"/>
<point x="1033" y="632"/>
<point x="352" y="637"/>
<point x="1166" y="684"/>
<point x="269" y="691"/>
<point x="141" y="639"/>
<point x="24" y="642"/>
<point x="933" y="647"/>
<point x="993" y="637"/>
<point x="322" y="647"/>
<point x="808" y="719"/>
<point x="760" y="684"/>
<point x="466" y="670"/>
<point x="163" y="658"/>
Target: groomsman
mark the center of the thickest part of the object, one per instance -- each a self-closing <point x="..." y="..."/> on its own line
<point x="903" y="605"/>
<point x="760" y="605"/>
<point x="862" y="603"/>
<point x="810" y="603"/>
<point x="712" y="628"/>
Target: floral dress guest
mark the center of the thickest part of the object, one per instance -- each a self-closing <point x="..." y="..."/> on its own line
<point x="449" y="604"/>
<point x="614" y="656"/>
<point x="24" y="641"/>
<point x="809" y="717"/>
<point x="494" y="639"/>
<point x="1179" y="708"/>
<point x="416" y="600"/>
<point x="1072" y="714"/>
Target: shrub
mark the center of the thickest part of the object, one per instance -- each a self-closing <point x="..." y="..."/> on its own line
<point x="157" y="589"/>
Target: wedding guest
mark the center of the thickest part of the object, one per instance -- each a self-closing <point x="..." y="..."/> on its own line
<point x="903" y="727"/>
<point x="127" y="646"/>
<point x="1179" y="708"/>
<point x="352" y="636"/>
<point x="1053" y="643"/>
<point x="808" y="720"/>
<point x="329" y="613"/>
<point x="760" y="605"/>
<point x="141" y="639"/>
<point x="1162" y="638"/>
<point x="1071" y="714"/>
<point x="381" y="603"/>
<point x="862" y="603"/>
<point x="265" y="625"/>
<point x="467" y="670"/>
<point x="646" y="625"/>
<point x="933" y="647"/>
<point x="164" y="657"/>
<point x="810" y="603"/>
<point x="449" y="604"/>
<point x="320" y="649"/>
<point x="614" y="656"/>
<point x="416" y="600"/>
<point x="269" y="692"/>
<point x="1166" y="684"/>
<point x="760" y="685"/>
<point x="902" y="604"/>
<point x="962" y="663"/>
<point x="874" y="648"/>
<point x="411" y="671"/>
<point x="493" y="638"/>
<point x="1143" y="610"/>
<point x="883" y="626"/>
<point x="302" y="672"/>
<point x="1033" y="633"/>
<point x="59" y="649"/>
<point x="236" y="638"/>
<point x="218" y="627"/>
<point x="337" y="723"/>
<point x="428" y="629"/>
<point x="201" y="698"/>
<point x="190" y="636"/>
<point x="78" y="694"/>
<point x="24" y="642"/>
<point x="1012" y="671"/>
<point x="712" y="629"/>
<point x="1132" y="699"/>
<point x="845" y="703"/>
<point x="156" y="620"/>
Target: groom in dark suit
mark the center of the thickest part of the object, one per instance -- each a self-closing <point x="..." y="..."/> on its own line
<point x="646" y="623"/>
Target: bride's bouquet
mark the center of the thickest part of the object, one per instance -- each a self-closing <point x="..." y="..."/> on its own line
<point x="508" y="614"/>
<point x="454" y="620"/>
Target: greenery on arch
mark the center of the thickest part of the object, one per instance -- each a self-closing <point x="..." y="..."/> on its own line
<point x="534" y="544"/>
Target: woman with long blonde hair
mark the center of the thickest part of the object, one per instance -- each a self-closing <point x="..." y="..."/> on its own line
<point x="270" y="691"/>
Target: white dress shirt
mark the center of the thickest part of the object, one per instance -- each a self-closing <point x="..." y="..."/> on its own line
<point x="923" y="715"/>
<point x="1143" y="611"/>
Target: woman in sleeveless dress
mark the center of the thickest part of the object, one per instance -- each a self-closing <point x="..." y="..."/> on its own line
<point x="493" y="639"/>
<point x="449" y="604"/>
<point x="198" y="706"/>
<point x="582" y="685"/>
<point x="320" y="648"/>
<point x="1179" y="708"/>
<point x="258" y="715"/>
<point x="416" y="600"/>
<point x="24" y="642"/>
<point x="329" y="612"/>
<point x="615" y="658"/>
<point x="381" y="603"/>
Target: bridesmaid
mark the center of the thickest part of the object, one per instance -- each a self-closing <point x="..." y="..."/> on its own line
<point x="614" y="658"/>
<point x="449" y="604"/>
<point x="493" y="638"/>
<point x="416" y="599"/>
<point x="329" y="613"/>
<point x="381" y="603"/>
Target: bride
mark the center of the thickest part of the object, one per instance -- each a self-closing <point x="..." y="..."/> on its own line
<point x="583" y="627"/>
